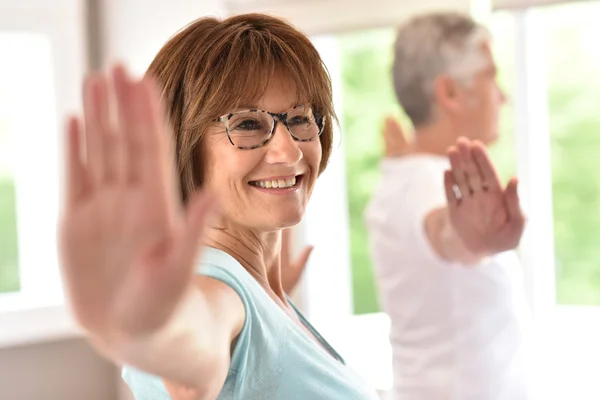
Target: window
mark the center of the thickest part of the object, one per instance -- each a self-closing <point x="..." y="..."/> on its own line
<point x="368" y="97"/>
<point x="28" y="167"/>
<point x="573" y="61"/>
<point x="43" y="60"/>
<point x="9" y="267"/>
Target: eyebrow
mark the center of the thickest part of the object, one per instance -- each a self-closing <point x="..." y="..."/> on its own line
<point x="244" y="107"/>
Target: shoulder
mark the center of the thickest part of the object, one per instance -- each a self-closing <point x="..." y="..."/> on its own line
<point x="262" y="333"/>
<point x="407" y="184"/>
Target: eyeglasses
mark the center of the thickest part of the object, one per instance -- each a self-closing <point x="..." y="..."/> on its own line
<point x="250" y="129"/>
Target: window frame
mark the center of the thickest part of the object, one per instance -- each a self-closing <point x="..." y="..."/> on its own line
<point x="37" y="312"/>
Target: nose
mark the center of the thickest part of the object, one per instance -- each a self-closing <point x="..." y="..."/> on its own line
<point x="282" y="148"/>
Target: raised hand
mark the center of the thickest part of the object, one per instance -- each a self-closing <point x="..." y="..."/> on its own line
<point x="486" y="216"/>
<point x="291" y="271"/>
<point x="127" y="245"/>
<point x="394" y="139"/>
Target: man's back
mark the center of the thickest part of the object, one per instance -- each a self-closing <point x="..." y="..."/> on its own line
<point x="457" y="332"/>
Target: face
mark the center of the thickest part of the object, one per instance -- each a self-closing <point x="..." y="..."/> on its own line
<point x="481" y="102"/>
<point x="265" y="188"/>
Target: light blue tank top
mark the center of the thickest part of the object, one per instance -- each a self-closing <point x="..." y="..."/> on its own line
<point x="273" y="358"/>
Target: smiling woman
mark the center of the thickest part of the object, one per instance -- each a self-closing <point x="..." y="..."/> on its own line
<point x="226" y="86"/>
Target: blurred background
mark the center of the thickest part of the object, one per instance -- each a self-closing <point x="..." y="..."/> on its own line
<point x="548" y="57"/>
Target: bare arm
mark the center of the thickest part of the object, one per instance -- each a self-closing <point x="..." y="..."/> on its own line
<point x="487" y="218"/>
<point x="192" y="351"/>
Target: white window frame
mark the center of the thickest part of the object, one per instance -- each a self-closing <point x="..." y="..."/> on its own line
<point x="534" y="165"/>
<point x="325" y="17"/>
<point x="37" y="311"/>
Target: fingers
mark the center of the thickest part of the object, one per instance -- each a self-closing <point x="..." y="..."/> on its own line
<point x="292" y="272"/>
<point x="394" y="138"/>
<point x="157" y="151"/>
<point x="452" y="198"/>
<point x="141" y="127"/>
<point x="302" y="260"/>
<point x="459" y="171"/>
<point x="513" y="204"/>
<point x="486" y="167"/>
<point x="96" y="117"/>
<point x="472" y="168"/>
<point x="75" y="172"/>
<point x="130" y="169"/>
<point x="128" y="152"/>
<point x="471" y="171"/>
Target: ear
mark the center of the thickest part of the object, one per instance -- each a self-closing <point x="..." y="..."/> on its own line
<point x="448" y="94"/>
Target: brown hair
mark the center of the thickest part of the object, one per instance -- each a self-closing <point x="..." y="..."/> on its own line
<point x="210" y="67"/>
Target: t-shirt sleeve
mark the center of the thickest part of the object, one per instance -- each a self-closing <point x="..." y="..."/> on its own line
<point x="401" y="203"/>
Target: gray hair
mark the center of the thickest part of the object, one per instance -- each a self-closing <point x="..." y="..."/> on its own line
<point x="430" y="45"/>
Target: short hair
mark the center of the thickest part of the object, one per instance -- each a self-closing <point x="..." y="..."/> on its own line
<point x="213" y="66"/>
<point x="427" y="46"/>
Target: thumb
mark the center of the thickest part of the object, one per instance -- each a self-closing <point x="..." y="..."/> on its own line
<point x="512" y="201"/>
<point x="198" y="208"/>
<point x="185" y="247"/>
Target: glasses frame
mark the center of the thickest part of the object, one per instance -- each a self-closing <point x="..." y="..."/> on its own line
<point x="277" y="117"/>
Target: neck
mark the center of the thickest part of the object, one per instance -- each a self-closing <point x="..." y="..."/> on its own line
<point x="258" y="252"/>
<point x="435" y="138"/>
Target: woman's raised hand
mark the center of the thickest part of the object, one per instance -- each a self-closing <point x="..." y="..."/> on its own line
<point x="127" y="244"/>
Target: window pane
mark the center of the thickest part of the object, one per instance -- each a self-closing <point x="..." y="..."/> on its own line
<point x="573" y="63"/>
<point x="28" y="149"/>
<point x="368" y="97"/>
<point x="9" y="272"/>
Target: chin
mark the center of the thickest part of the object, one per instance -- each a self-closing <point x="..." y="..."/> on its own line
<point x="490" y="138"/>
<point x="278" y="222"/>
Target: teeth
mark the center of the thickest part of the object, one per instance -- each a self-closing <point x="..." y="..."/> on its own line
<point x="280" y="183"/>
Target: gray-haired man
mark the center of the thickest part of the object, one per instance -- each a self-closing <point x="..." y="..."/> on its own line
<point x="443" y="228"/>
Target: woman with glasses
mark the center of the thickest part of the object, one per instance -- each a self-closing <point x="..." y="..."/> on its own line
<point x="171" y="229"/>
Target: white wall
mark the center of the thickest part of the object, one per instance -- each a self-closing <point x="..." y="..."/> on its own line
<point x="60" y="370"/>
<point x="134" y="30"/>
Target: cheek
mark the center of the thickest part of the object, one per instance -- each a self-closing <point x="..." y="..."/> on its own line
<point x="313" y="153"/>
<point x="224" y="169"/>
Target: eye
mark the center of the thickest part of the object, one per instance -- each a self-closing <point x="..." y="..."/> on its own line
<point x="247" y="125"/>
<point x="300" y="120"/>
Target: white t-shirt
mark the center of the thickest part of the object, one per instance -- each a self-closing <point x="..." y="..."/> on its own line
<point x="457" y="333"/>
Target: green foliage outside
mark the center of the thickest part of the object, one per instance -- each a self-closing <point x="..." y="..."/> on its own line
<point x="9" y="273"/>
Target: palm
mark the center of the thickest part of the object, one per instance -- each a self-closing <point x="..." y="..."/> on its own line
<point x="127" y="247"/>
<point x="395" y="141"/>
<point x="487" y="217"/>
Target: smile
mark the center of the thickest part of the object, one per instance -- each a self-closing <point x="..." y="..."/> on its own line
<point x="278" y="183"/>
